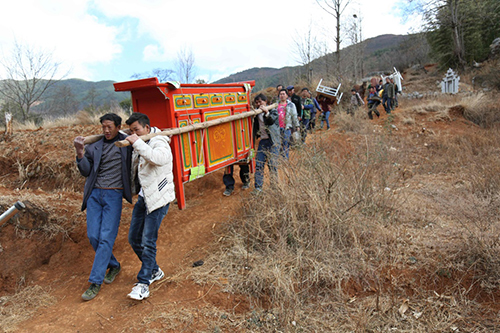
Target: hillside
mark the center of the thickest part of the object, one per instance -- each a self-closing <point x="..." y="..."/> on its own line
<point x="373" y="226"/>
<point x="380" y="53"/>
<point x="67" y="97"/>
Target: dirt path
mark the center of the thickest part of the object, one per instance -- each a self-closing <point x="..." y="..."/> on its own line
<point x="183" y="239"/>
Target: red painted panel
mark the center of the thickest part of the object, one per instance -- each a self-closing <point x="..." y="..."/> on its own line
<point x="168" y="105"/>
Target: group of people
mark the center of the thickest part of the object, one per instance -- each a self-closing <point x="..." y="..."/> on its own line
<point x="145" y="168"/>
<point x="113" y="173"/>
<point x="274" y="128"/>
<point x="385" y="94"/>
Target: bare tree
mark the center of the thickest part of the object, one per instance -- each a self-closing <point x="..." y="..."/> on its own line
<point x="91" y="98"/>
<point x="185" y="65"/>
<point x="28" y="74"/>
<point x="335" y="8"/>
<point x="163" y="75"/>
<point x="63" y="101"/>
<point x="305" y="50"/>
<point x="356" y="38"/>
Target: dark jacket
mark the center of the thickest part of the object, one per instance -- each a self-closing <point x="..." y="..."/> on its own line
<point x="298" y="104"/>
<point x="272" y="127"/>
<point x="389" y="90"/>
<point x="89" y="166"/>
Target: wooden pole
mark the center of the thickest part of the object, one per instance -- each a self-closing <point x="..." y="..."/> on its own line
<point x="94" y="138"/>
<point x="189" y="128"/>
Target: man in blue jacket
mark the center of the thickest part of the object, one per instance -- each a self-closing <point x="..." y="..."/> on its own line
<point x="107" y="169"/>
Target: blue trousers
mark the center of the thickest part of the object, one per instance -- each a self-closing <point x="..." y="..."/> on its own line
<point x="387" y="103"/>
<point x="325" y="117"/>
<point x="104" y="209"/>
<point x="267" y="152"/>
<point x="285" y="142"/>
<point x="142" y="236"/>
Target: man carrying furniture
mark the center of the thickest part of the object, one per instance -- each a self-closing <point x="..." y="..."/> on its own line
<point x="154" y="182"/>
<point x="107" y="169"/>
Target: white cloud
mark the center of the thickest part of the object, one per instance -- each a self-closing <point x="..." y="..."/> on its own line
<point x="152" y="53"/>
<point x="224" y="35"/>
<point x="64" y="28"/>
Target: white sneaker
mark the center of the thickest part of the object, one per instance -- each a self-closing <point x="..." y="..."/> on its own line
<point x="158" y="275"/>
<point x="139" y="291"/>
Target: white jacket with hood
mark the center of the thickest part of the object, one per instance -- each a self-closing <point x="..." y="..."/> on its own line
<point x="152" y="162"/>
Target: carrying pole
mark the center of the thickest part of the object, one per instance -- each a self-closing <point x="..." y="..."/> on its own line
<point x="186" y="129"/>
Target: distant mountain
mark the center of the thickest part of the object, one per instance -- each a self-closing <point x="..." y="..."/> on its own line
<point x="380" y="53"/>
<point x="67" y="97"/>
<point x="101" y="91"/>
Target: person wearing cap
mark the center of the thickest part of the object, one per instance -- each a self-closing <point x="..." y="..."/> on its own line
<point x="288" y="120"/>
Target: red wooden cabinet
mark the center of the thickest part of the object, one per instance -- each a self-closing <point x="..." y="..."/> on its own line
<point x="196" y="153"/>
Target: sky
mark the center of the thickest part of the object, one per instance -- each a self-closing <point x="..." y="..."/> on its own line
<point x="99" y="40"/>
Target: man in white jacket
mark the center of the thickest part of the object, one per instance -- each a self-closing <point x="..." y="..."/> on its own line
<point x="152" y="176"/>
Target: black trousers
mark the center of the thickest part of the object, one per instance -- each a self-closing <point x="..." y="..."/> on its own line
<point x="228" y="178"/>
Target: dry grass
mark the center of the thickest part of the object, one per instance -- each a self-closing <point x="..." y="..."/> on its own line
<point x="400" y="233"/>
<point x="44" y="214"/>
<point x="489" y="75"/>
<point x="351" y="123"/>
<point x="482" y="109"/>
<point x="80" y="118"/>
<point x="22" y="305"/>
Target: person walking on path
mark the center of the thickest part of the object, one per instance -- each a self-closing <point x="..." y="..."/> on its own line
<point x="308" y="109"/>
<point x="266" y="127"/>
<point x="107" y="169"/>
<point x="287" y="117"/>
<point x="356" y="102"/>
<point x="316" y="110"/>
<point x="373" y="100"/>
<point x="325" y="102"/>
<point x="153" y="181"/>
<point x="228" y="178"/>
<point x="388" y="95"/>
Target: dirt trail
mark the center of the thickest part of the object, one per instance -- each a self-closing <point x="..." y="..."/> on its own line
<point x="184" y="236"/>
